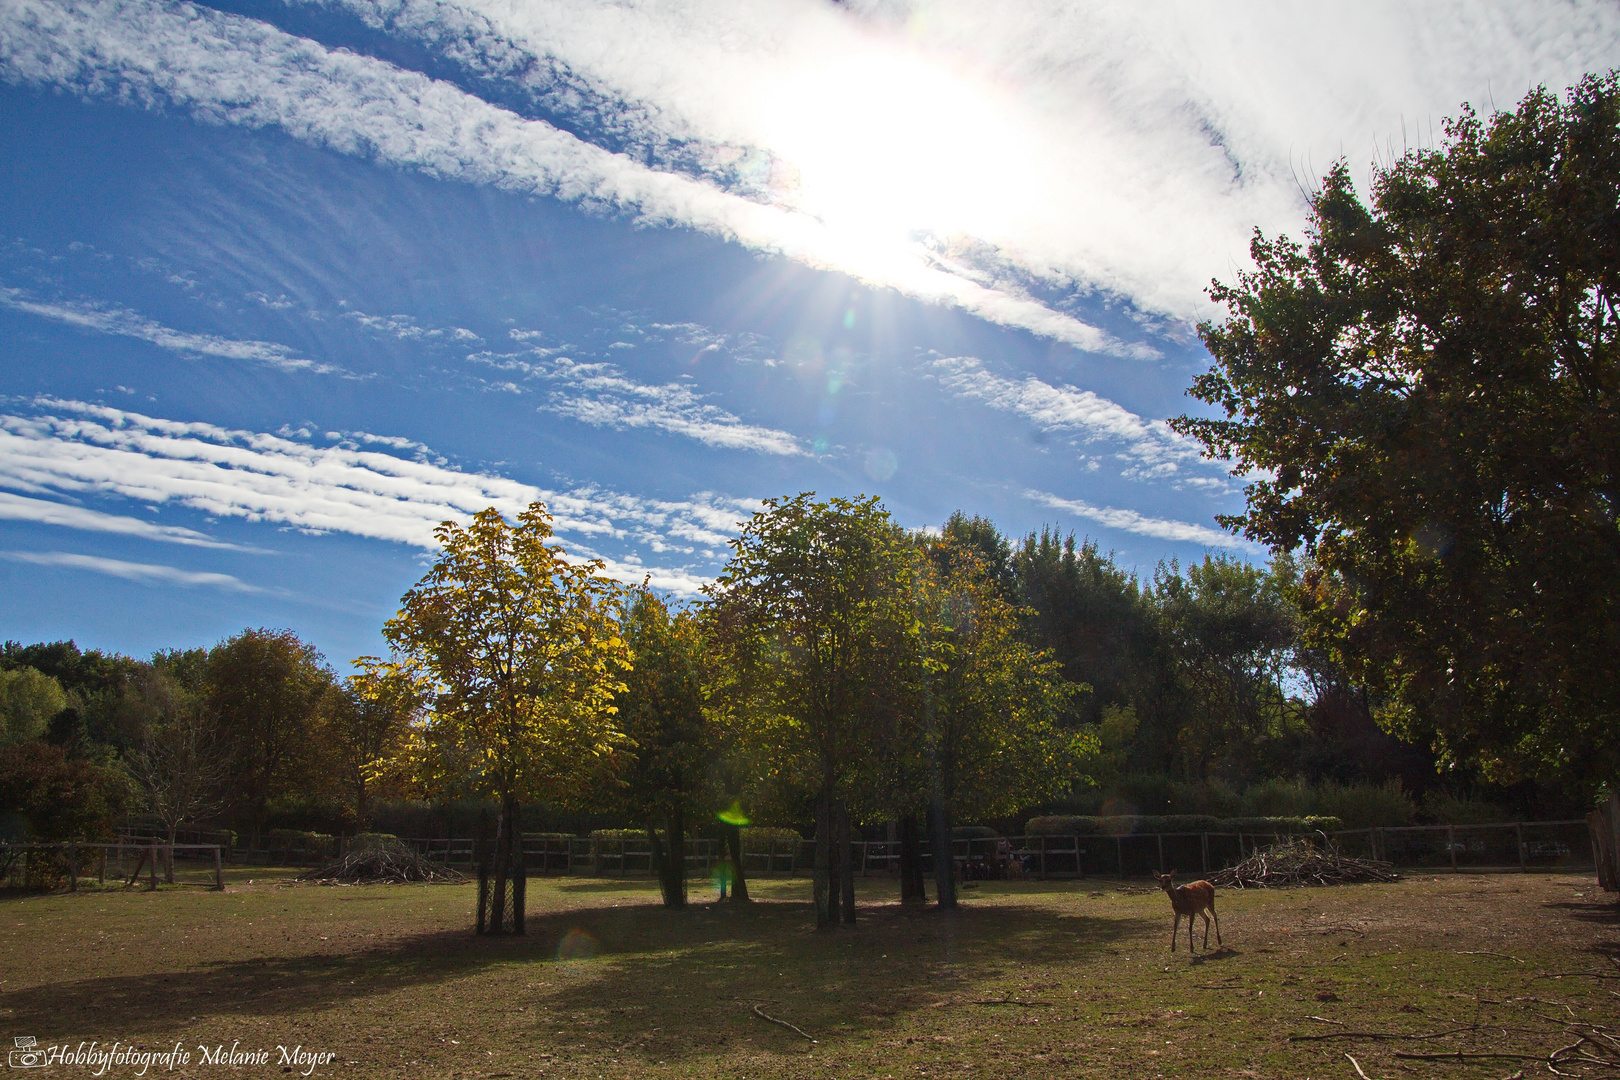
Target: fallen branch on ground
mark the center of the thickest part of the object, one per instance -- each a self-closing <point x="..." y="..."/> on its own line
<point x="763" y="1015"/>
<point x="1299" y="861"/>
<point x="1378" y="1034"/>
<point x="388" y="861"/>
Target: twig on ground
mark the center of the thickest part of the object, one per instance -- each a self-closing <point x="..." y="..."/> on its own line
<point x="1325" y="1020"/>
<point x="1503" y="956"/>
<point x="1010" y="1001"/>
<point x="1458" y="1055"/>
<point x="1378" y="1034"/>
<point x="763" y="1015"/>
<point x="1576" y="974"/>
<point x="1300" y="861"/>
<point x="1357" y="1065"/>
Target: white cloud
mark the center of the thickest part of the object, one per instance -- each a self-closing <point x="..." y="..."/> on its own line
<point x="111" y="319"/>
<point x="1150" y="445"/>
<point x="130" y="571"/>
<point x="1125" y="147"/>
<point x="602" y="395"/>
<point x="1132" y="522"/>
<point x="43" y="512"/>
<point x="228" y="69"/>
<point x="406" y="328"/>
<point x="82" y="449"/>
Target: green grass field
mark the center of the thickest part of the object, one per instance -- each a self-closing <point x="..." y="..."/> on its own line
<point x="1028" y="979"/>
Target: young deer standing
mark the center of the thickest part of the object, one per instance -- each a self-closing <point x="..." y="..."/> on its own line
<point x="1197" y="898"/>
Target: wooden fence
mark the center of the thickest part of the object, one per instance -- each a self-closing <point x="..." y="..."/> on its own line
<point x="34" y="864"/>
<point x="1525" y="845"/>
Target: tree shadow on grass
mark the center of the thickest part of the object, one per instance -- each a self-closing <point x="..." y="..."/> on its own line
<point x="1603" y="912"/>
<point x="634" y="980"/>
<point x="705" y="991"/>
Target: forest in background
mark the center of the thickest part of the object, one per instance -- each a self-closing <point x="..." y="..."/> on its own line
<point x="1197" y="693"/>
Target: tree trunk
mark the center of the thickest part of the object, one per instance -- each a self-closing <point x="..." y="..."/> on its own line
<point x="911" y="873"/>
<point x="739" y="881"/>
<point x="670" y="860"/>
<point x="503" y="859"/>
<point x="168" y="871"/>
<point x="481" y="852"/>
<point x="939" y="820"/>
<point x="520" y="870"/>
<point x="846" y="865"/>
<point x="823" y="879"/>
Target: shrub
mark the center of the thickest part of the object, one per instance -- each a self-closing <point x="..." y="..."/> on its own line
<point x="1365" y="806"/>
<point x="1446" y="808"/>
<point x="299" y="840"/>
<point x="1084" y="825"/>
<point x="1281" y="825"/>
<point x="974" y="832"/>
<point x="361" y="841"/>
<point x="61" y="798"/>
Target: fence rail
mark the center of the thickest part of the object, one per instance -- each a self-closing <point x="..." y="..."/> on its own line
<point x="39" y="865"/>
<point x="1524" y="845"/>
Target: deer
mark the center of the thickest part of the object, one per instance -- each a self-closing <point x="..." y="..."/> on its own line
<point x="1195" y="898"/>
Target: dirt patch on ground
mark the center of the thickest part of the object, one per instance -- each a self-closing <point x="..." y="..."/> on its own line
<point x="1028" y="979"/>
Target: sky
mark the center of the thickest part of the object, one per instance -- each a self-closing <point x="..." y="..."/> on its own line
<point x="286" y="283"/>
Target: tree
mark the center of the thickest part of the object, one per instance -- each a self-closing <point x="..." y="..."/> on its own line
<point x="984" y="704"/>
<point x="178" y="766"/>
<point x="61" y="798"/>
<point x="264" y="692"/>
<point x="799" y="617"/>
<point x="1231" y="629"/>
<point x="1425" y="397"/>
<point x="368" y="721"/>
<point x="28" y="701"/>
<point x="660" y="710"/>
<point x="523" y="657"/>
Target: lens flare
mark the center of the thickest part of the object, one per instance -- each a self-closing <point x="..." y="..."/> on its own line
<point x="578" y="945"/>
<point x="733" y="814"/>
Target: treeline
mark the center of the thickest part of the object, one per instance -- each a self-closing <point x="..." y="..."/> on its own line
<point x="1183" y="692"/>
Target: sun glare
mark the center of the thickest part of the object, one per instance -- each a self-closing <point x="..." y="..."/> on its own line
<point x="884" y="141"/>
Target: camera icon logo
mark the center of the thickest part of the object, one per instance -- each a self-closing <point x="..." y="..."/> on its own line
<point x="27" y="1055"/>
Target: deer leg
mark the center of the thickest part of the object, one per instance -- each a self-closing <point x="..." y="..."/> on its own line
<point x="1175" y="928"/>
<point x="1189" y="932"/>
<point x="1205" y="914"/>
<point x="1218" y="940"/>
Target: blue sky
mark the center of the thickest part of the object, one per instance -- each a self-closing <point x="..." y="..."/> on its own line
<point x="283" y="283"/>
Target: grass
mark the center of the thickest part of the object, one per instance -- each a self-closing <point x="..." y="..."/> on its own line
<point x="1028" y="979"/>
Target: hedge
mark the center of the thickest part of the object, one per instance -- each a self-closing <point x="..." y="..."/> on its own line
<point x="299" y="840"/>
<point x="974" y="832"/>
<point x="1080" y="825"/>
<point x="748" y="834"/>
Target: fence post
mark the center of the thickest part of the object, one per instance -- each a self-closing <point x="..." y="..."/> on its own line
<point x="1451" y="845"/>
<point x="1160" y="838"/>
<point x="154" y="864"/>
<point x="1518" y="840"/>
<point x="73" y="867"/>
<point x="1119" y="854"/>
<point x="219" y="870"/>
<point x="101" y="872"/>
<point x="1203" y="844"/>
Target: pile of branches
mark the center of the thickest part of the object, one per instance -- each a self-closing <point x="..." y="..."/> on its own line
<point x="381" y="863"/>
<point x="1298" y="861"/>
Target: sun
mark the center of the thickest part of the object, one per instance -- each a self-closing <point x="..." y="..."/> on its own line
<point x="889" y="143"/>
